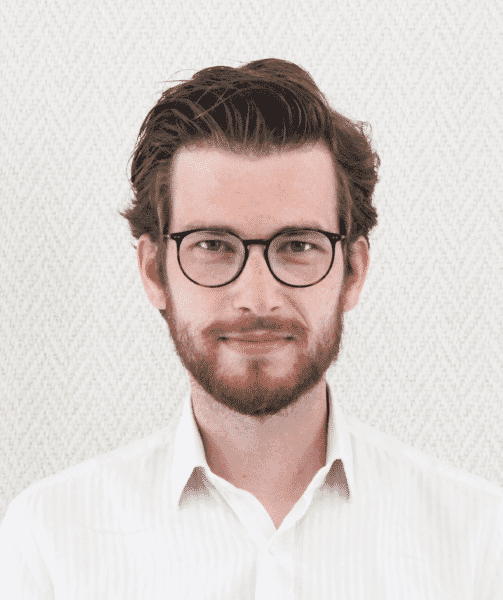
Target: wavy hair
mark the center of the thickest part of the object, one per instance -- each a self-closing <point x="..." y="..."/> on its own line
<point x="263" y="106"/>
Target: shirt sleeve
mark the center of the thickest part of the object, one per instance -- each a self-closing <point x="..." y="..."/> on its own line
<point x="23" y="572"/>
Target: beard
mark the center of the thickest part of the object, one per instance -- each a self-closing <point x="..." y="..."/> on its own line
<point x="251" y="385"/>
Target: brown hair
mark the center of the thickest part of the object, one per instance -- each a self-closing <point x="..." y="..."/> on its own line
<point x="262" y="106"/>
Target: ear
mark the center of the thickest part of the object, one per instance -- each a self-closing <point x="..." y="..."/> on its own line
<point x="360" y="262"/>
<point x="147" y="255"/>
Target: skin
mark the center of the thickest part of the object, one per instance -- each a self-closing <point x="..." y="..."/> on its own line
<point x="262" y="416"/>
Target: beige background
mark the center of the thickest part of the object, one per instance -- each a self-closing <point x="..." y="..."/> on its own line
<point x="86" y="362"/>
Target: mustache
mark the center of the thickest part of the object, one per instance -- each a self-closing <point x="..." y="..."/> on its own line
<point x="290" y="328"/>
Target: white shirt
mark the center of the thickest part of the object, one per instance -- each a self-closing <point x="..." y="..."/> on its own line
<point x="380" y="521"/>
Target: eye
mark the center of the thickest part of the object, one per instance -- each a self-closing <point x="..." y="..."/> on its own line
<point x="299" y="245"/>
<point x="212" y="245"/>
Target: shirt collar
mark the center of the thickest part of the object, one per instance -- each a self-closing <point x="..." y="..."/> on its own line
<point x="188" y="451"/>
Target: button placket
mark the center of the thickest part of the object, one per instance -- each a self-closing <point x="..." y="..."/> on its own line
<point x="274" y="548"/>
<point x="275" y="575"/>
<point x="248" y="510"/>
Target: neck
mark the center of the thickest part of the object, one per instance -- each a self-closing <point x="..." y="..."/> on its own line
<point x="274" y="457"/>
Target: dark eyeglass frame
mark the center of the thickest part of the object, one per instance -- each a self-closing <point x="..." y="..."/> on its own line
<point x="333" y="237"/>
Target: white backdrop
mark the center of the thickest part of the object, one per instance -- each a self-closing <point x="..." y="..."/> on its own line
<point x="86" y="363"/>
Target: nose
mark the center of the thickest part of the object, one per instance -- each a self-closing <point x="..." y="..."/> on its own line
<point x="256" y="290"/>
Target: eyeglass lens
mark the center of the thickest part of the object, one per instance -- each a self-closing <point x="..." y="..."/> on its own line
<point x="214" y="258"/>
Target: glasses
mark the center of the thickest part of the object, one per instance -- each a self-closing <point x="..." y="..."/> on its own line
<point x="296" y="257"/>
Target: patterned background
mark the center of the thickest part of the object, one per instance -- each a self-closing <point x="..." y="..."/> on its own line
<point x="86" y="363"/>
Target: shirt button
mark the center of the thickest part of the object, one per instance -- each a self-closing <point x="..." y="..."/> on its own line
<point x="274" y="549"/>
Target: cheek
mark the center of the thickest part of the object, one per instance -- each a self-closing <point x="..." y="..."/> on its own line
<point x="178" y="281"/>
<point x="189" y="305"/>
<point x="323" y="305"/>
<point x="190" y="301"/>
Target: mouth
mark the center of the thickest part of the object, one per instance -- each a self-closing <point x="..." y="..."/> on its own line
<point x="257" y="346"/>
<point x="255" y="341"/>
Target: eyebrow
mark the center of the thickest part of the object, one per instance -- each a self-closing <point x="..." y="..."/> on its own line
<point x="227" y="229"/>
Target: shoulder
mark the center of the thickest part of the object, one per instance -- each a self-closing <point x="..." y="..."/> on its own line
<point x="378" y="454"/>
<point x="93" y="485"/>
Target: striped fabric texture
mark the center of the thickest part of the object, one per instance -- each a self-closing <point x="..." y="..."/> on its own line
<point x="380" y="520"/>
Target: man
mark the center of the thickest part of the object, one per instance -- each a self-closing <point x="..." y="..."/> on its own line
<point x="252" y="210"/>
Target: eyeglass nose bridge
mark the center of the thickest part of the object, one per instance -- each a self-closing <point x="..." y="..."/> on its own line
<point x="333" y="237"/>
<point x="266" y="244"/>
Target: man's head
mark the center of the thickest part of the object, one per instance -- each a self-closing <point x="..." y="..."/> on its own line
<point x="252" y="150"/>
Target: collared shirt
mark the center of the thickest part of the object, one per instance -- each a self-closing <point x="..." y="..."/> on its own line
<point x="380" y="520"/>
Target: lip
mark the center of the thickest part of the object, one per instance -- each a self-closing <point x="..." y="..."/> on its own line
<point x="262" y="346"/>
<point x="257" y="337"/>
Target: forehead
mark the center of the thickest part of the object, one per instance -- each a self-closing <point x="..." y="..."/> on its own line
<point x="255" y="194"/>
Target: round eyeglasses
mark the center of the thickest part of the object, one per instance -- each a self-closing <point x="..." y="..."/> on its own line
<point x="295" y="257"/>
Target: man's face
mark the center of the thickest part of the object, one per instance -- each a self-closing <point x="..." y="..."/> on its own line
<point x="255" y="196"/>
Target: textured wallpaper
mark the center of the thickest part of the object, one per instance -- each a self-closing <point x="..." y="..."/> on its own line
<point x="87" y="364"/>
